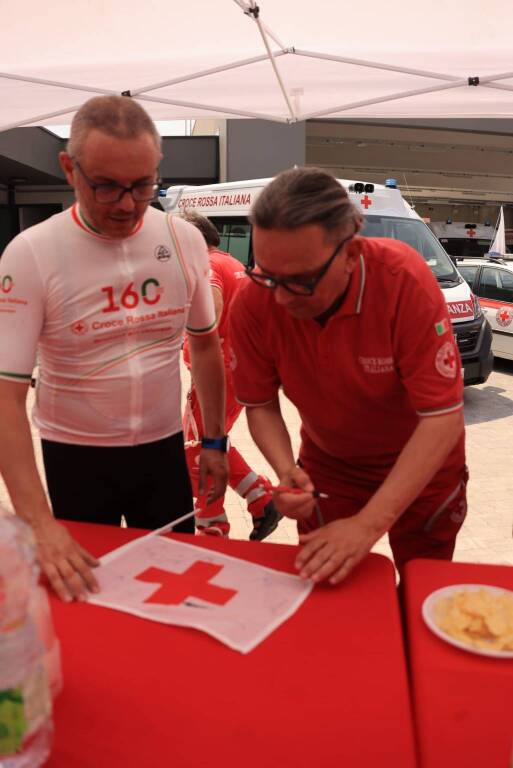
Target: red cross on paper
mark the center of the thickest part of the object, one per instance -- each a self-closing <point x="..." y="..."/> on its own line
<point x="449" y="359"/>
<point x="471" y="232"/>
<point x="504" y="315"/>
<point x="366" y="201"/>
<point x="176" y="587"/>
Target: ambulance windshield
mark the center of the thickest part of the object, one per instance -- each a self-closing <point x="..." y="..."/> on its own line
<point x="415" y="233"/>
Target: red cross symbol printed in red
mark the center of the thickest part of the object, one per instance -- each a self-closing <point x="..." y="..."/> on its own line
<point x="504" y="315"/>
<point x="471" y="232"/>
<point x="366" y="201"/>
<point x="79" y="327"/>
<point x="176" y="587"/>
<point x="449" y="359"/>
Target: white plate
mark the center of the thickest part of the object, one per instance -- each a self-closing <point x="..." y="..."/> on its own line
<point x="429" y="616"/>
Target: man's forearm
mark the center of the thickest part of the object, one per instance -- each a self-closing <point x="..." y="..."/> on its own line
<point x="17" y="460"/>
<point x="207" y="369"/>
<point x="418" y="462"/>
<point x="270" y="434"/>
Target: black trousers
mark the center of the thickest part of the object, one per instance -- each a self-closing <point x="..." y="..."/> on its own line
<point x="148" y="484"/>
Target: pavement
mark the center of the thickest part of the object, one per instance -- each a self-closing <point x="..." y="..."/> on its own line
<point x="486" y="535"/>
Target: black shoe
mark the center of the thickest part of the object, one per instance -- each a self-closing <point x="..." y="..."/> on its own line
<point x="263" y="526"/>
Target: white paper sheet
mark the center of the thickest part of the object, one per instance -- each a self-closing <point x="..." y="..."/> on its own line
<point x="237" y="602"/>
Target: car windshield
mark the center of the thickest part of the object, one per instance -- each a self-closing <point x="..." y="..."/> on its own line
<point x="415" y="233"/>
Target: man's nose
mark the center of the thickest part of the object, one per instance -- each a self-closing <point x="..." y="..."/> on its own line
<point x="127" y="202"/>
<point x="282" y="296"/>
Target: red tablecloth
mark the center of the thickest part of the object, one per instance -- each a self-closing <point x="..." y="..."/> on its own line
<point x="463" y="702"/>
<point x="328" y="688"/>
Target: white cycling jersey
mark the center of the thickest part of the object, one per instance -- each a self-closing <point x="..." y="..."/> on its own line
<point x="107" y="319"/>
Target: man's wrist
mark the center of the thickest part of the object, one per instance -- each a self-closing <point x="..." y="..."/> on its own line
<point x="216" y="443"/>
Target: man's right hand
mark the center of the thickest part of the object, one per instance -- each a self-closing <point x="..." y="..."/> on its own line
<point x="66" y="564"/>
<point x="298" y="506"/>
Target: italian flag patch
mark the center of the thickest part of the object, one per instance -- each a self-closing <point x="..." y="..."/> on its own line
<point x="441" y="327"/>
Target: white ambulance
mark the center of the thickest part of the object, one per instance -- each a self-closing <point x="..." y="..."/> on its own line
<point x="386" y="214"/>
<point x="463" y="240"/>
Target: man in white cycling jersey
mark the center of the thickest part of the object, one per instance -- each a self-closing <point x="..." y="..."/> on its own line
<point x="103" y="293"/>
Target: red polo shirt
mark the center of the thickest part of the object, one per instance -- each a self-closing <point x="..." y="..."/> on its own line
<point x="361" y="381"/>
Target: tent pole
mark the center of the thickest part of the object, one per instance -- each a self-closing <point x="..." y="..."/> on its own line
<point x="54" y="83"/>
<point x="487" y="81"/>
<point x="40" y="118"/>
<point x="204" y="73"/>
<point x="253" y="11"/>
<point x="243" y="6"/>
<point x="389" y="97"/>
<point x="211" y="108"/>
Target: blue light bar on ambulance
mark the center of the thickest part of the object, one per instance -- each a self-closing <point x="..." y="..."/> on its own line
<point x="391" y="183"/>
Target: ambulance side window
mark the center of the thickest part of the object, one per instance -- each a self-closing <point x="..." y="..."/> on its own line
<point x="235" y="238"/>
<point x="468" y="273"/>
<point x="496" y="284"/>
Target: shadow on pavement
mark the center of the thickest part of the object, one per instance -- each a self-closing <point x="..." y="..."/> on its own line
<point x="486" y="404"/>
<point x="501" y="365"/>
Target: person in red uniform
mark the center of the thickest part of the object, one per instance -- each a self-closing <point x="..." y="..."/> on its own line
<point x="357" y="333"/>
<point x="226" y="275"/>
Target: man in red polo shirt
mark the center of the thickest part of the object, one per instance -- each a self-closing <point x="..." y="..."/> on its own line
<point x="226" y="275"/>
<point x="357" y="333"/>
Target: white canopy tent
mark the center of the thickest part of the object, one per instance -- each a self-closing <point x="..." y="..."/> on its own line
<point x="283" y="60"/>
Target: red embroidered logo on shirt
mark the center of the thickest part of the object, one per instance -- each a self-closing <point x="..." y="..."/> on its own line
<point x="446" y="360"/>
<point x="377" y="364"/>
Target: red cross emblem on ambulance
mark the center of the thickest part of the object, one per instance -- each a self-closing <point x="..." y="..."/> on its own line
<point x="504" y="316"/>
<point x="471" y="232"/>
<point x="366" y="201"/>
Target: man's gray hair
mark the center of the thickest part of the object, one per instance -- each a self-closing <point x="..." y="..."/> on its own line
<point x="205" y="226"/>
<point x="117" y="116"/>
<point x="304" y="196"/>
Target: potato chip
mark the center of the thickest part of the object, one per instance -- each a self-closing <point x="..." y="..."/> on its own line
<point x="478" y="618"/>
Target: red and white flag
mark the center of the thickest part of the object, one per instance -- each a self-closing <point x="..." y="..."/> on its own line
<point x="237" y="602"/>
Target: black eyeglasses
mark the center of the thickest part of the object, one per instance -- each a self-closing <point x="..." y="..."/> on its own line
<point x="298" y="287"/>
<point x="142" y="192"/>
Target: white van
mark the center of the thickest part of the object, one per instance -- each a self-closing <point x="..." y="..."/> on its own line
<point x="386" y="214"/>
<point x="463" y="240"/>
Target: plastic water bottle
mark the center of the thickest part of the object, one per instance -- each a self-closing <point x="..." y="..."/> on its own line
<point x="25" y="702"/>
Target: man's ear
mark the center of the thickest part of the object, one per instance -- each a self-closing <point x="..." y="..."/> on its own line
<point x="67" y="166"/>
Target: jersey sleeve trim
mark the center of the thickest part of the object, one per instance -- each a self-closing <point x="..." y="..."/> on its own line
<point x="202" y="331"/>
<point x="181" y="260"/>
<point x="19" y="376"/>
<point x="442" y="411"/>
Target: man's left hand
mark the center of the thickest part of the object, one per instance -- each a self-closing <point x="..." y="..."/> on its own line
<point x="331" y="552"/>
<point x="213" y="473"/>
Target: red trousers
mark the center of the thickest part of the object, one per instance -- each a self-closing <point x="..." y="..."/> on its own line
<point x="244" y="481"/>
<point x="427" y="528"/>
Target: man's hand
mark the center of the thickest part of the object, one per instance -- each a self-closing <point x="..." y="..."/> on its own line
<point x="333" y="550"/>
<point x="298" y="506"/>
<point x="213" y="465"/>
<point x="66" y="564"/>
